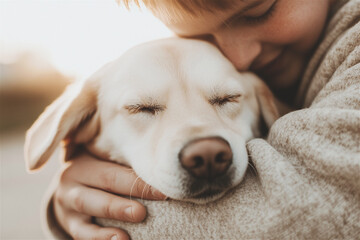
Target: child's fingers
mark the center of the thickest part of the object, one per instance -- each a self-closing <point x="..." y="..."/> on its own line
<point x="97" y="203"/>
<point x="110" y="177"/>
<point x="79" y="226"/>
<point x="82" y="228"/>
<point x="85" y="190"/>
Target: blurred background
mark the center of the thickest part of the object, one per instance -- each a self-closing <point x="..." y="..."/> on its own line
<point x="45" y="45"/>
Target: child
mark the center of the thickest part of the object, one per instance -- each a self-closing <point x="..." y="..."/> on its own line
<point x="307" y="169"/>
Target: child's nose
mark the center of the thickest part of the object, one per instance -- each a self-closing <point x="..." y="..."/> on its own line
<point x="240" y="48"/>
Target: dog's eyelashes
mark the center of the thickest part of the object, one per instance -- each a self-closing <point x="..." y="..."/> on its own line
<point x="222" y="100"/>
<point x="143" y="108"/>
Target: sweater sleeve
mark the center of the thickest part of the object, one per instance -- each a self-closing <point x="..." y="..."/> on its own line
<point x="309" y="167"/>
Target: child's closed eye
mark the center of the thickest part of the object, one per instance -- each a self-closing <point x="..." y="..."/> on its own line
<point x="255" y="15"/>
<point x="262" y="17"/>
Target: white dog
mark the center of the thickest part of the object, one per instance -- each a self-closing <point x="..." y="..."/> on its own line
<point x="175" y="110"/>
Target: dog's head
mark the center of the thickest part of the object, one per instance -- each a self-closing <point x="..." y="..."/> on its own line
<point x="174" y="110"/>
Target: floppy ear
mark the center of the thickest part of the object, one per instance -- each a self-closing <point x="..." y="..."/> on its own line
<point x="267" y="103"/>
<point x="72" y="108"/>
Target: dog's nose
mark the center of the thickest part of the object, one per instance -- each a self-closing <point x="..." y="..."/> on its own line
<point x="206" y="157"/>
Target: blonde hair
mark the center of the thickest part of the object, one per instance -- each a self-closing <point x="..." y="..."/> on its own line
<point x="178" y="9"/>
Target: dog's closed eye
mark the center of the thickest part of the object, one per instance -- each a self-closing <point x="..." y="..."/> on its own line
<point x="151" y="109"/>
<point x="222" y="100"/>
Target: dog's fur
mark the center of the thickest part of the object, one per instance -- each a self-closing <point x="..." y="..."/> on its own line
<point x="141" y="109"/>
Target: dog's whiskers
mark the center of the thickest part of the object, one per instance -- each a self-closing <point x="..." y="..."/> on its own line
<point x="132" y="187"/>
<point x="145" y="189"/>
<point x="253" y="168"/>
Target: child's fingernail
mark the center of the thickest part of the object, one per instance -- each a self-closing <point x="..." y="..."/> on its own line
<point x="129" y="213"/>
<point x="115" y="237"/>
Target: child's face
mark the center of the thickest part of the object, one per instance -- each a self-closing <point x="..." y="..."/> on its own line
<point x="273" y="38"/>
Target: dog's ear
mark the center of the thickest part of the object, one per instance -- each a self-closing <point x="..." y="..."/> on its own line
<point x="71" y="109"/>
<point x="267" y="104"/>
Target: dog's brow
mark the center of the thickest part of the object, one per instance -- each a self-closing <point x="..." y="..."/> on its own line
<point x="223" y="91"/>
<point x="143" y="100"/>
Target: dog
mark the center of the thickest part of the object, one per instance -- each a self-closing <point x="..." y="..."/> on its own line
<point x="175" y="110"/>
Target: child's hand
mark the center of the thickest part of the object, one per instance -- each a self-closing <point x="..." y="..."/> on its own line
<point x="87" y="188"/>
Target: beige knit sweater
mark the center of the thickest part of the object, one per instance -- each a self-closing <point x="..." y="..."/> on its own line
<point x="307" y="179"/>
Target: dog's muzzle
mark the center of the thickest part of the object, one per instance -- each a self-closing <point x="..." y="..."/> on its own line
<point x="207" y="160"/>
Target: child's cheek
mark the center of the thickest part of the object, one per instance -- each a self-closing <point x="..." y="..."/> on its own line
<point x="297" y="23"/>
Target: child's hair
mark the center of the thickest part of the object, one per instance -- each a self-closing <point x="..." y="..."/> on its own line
<point x="178" y="9"/>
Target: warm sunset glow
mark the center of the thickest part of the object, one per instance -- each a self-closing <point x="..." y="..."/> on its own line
<point x="77" y="36"/>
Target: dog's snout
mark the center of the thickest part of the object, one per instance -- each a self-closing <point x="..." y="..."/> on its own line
<point x="206" y="157"/>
